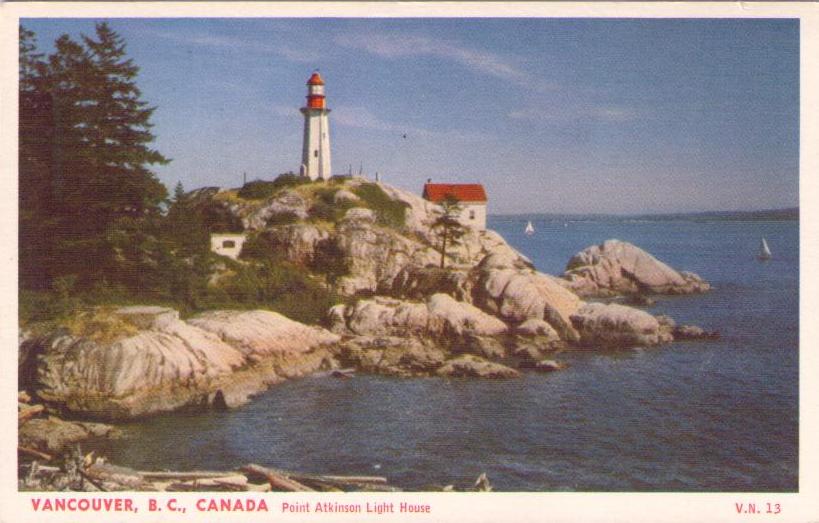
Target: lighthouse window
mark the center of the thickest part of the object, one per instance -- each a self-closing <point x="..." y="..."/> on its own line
<point x="471" y="214"/>
<point x="315" y="153"/>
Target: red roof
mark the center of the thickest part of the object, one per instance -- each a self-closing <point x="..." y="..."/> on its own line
<point x="463" y="192"/>
<point x="315" y="79"/>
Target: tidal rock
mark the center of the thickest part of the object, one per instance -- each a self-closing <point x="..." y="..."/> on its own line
<point x="528" y="355"/>
<point x="640" y="300"/>
<point x="692" y="332"/>
<point x="484" y="346"/>
<point x="617" y="267"/>
<point x="536" y="327"/>
<point x="391" y="355"/>
<point x="548" y="366"/>
<point x="613" y="325"/>
<point x="55" y="435"/>
<point x="475" y="367"/>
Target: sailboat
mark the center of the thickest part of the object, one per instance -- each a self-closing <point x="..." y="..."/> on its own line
<point x="530" y="229"/>
<point x="764" y="251"/>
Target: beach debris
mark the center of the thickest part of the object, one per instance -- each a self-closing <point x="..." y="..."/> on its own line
<point x="482" y="484"/>
<point x="277" y="481"/>
<point x="25" y="412"/>
<point x="35" y="453"/>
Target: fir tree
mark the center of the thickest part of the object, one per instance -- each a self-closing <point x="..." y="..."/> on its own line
<point x="448" y="227"/>
<point x="178" y="193"/>
<point x="93" y="177"/>
<point x="36" y="132"/>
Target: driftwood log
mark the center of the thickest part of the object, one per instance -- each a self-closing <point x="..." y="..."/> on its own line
<point x="35" y="453"/>
<point x="276" y="479"/>
<point x="25" y="414"/>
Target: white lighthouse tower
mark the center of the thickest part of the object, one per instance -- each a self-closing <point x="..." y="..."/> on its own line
<point x="315" y="154"/>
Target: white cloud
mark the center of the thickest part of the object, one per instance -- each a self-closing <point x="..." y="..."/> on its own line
<point x="394" y="46"/>
<point x="240" y="44"/>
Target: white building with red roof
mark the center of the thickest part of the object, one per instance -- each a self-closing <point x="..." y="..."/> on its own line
<point x="471" y="199"/>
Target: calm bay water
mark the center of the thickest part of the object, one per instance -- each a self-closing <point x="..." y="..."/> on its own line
<point x="693" y="416"/>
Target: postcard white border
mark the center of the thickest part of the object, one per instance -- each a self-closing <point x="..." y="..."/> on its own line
<point x="495" y="507"/>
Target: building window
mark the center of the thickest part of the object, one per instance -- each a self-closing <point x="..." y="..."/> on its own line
<point x="315" y="153"/>
<point x="228" y="244"/>
<point x="471" y="214"/>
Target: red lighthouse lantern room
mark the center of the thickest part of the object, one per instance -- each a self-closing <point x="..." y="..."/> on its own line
<point x="315" y="92"/>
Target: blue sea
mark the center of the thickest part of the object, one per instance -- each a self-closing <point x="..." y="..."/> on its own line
<point x="708" y="416"/>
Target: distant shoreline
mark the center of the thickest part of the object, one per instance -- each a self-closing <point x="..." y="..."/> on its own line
<point x="786" y="214"/>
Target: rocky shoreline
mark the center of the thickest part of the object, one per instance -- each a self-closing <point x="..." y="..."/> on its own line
<point x="489" y="314"/>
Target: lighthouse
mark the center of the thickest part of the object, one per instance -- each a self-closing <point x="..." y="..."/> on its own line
<point x="315" y="154"/>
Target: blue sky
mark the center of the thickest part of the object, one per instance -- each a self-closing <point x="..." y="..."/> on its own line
<point x="551" y="115"/>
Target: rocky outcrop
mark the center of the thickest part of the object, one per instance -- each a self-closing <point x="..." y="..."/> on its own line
<point x="359" y="214"/>
<point x="617" y="267"/>
<point x="259" y="334"/>
<point x="507" y="288"/>
<point x="489" y="303"/>
<point x="616" y="326"/>
<point x="343" y="195"/>
<point x="54" y="435"/>
<point x="419" y="282"/>
<point x="375" y="255"/>
<point x="548" y="366"/>
<point x="469" y="366"/>
<point x="685" y="332"/>
<point x="287" y="202"/>
<point x="391" y="355"/>
<point x="165" y="363"/>
<point x="418" y="215"/>
<point x="296" y="243"/>
<point x="441" y="317"/>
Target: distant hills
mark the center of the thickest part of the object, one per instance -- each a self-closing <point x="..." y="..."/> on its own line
<point x="787" y="214"/>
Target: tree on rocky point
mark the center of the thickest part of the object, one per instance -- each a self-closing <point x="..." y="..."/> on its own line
<point x="447" y="226"/>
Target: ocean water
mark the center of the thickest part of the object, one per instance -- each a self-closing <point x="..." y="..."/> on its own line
<point x="709" y="416"/>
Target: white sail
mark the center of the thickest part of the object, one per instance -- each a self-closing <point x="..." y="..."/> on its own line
<point x="764" y="251"/>
<point x="530" y="229"/>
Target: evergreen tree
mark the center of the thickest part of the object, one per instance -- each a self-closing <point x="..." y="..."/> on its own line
<point x="36" y="132"/>
<point x="31" y="62"/>
<point x="119" y="131"/>
<point x="178" y="192"/>
<point x="92" y="178"/>
<point x="447" y="226"/>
